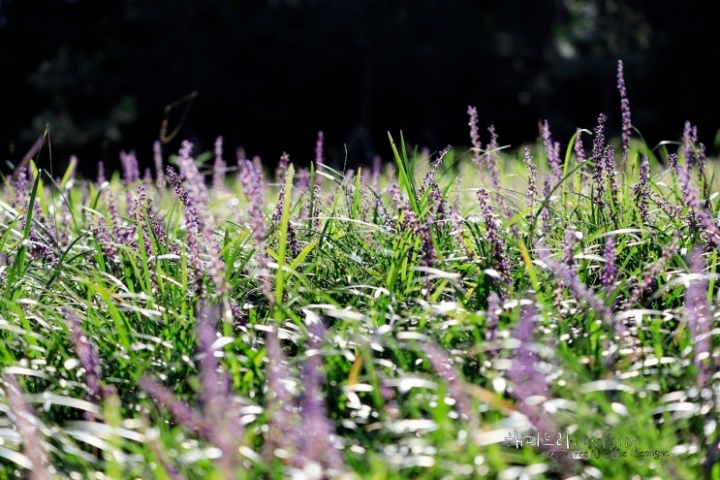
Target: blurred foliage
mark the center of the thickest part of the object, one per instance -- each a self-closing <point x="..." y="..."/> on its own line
<point x="271" y="73"/>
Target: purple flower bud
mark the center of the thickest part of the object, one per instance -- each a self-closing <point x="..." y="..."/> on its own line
<point x="474" y="134"/>
<point x="625" y="110"/>
<point x="101" y="173"/>
<point x="240" y="154"/>
<point x="319" y="158"/>
<point x="578" y="147"/>
<point x="131" y="169"/>
<point x="283" y="166"/>
<point x="147" y="178"/>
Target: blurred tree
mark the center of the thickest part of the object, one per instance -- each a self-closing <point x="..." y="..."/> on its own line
<point x="270" y="73"/>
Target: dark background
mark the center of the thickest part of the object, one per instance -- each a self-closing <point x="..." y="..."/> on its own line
<point x="270" y="74"/>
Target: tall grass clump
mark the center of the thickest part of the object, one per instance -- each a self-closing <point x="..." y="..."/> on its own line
<point x="477" y="312"/>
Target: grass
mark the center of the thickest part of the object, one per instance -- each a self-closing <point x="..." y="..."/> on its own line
<point x="386" y="325"/>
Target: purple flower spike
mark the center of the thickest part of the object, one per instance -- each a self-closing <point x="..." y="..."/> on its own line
<point x="699" y="215"/>
<point x="444" y="367"/>
<point x="184" y="415"/>
<point x="609" y="165"/>
<point x="319" y="157"/>
<point x="689" y="141"/>
<point x="699" y="317"/>
<point x="283" y="433"/>
<point x="491" y="157"/>
<point x="215" y="398"/>
<point x="579" y="149"/>
<point x="474" y="134"/>
<point x="642" y="190"/>
<point x="317" y="445"/>
<point x="553" y="152"/>
<point x="26" y="423"/>
<point x="648" y="279"/>
<point x="532" y="191"/>
<point x="625" y="110"/>
<point x="580" y="291"/>
<point x="131" y="173"/>
<point x="157" y="157"/>
<point x="214" y="385"/>
<point x="493" y="236"/>
<point x="598" y="161"/>
<point x="569" y="254"/>
<point x="251" y="180"/>
<point x="100" y="173"/>
<point x="610" y="270"/>
<point x="527" y="380"/>
<point x="21" y="197"/>
<point x="283" y="166"/>
<point x="191" y="223"/>
<point x="492" y="317"/>
<point x="220" y="166"/>
<point x="87" y="353"/>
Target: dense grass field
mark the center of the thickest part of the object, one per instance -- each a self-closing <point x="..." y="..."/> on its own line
<point x="542" y="312"/>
